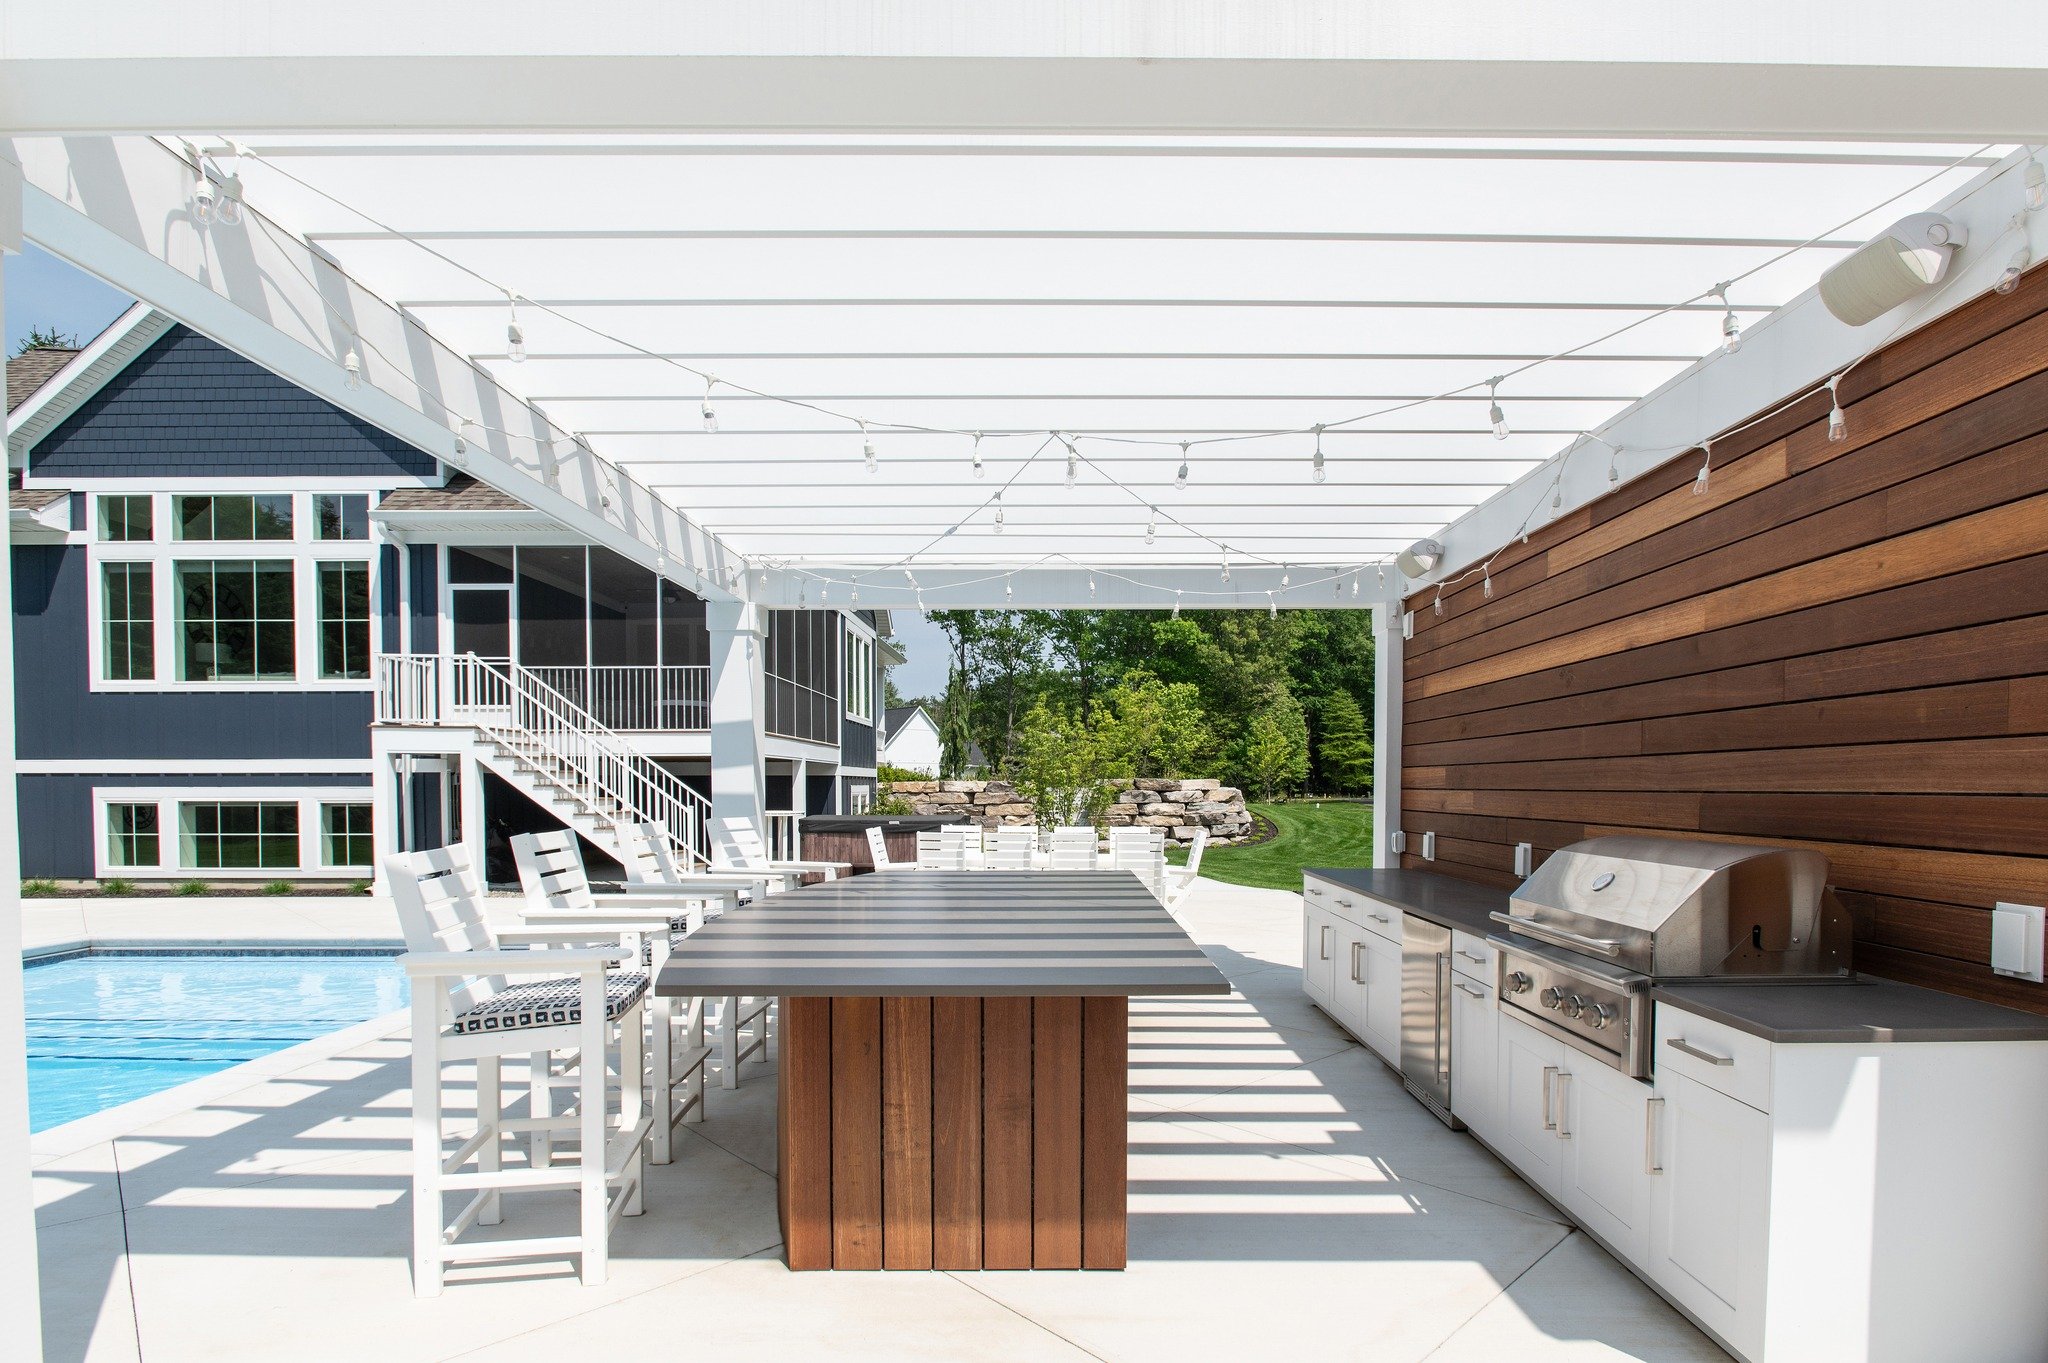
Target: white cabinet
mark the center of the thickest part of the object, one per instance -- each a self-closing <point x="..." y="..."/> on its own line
<point x="1318" y="952"/>
<point x="1350" y="985"/>
<point x="1525" y="1093"/>
<point x="1605" y="1119"/>
<point x="1475" y="1037"/>
<point x="1709" y="1206"/>
<point x="1380" y="965"/>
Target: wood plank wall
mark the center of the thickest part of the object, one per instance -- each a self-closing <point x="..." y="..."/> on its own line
<point x="1841" y="645"/>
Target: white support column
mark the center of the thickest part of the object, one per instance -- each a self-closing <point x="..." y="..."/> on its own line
<point x="472" y="811"/>
<point x="739" y="782"/>
<point x="20" y="1299"/>
<point x="1386" y="732"/>
<point x="388" y="834"/>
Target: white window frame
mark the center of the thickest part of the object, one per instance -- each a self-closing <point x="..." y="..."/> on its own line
<point x="170" y="845"/>
<point x="857" y="688"/>
<point x="163" y="553"/>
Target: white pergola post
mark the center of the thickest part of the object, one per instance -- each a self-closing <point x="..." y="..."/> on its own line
<point x="1386" y="732"/>
<point x="739" y="779"/>
<point x="472" y="811"/>
<point x="20" y="1301"/>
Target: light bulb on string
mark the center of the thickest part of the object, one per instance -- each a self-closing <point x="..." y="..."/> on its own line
<point x="2037" y="187"/>
<point x="999" y="513"/>
<point x="1226" y="567"/>
<point x="1706" y="473"/>
<point x="979" y="471"/>
<point x="853" y="596"/>
<point x="1151" y="525"/>
<point x="515" y="337"/>
<point x="800" y="594"/>
<point x="203" y="200"/>
<point x="229" y="213"/>
<point x="1336" y="584"/>
<point x="1091" y="586"/>
<point x="1493" y="411"/>
<point x="1008" y="592"/>
<point x="1073" y="461"/>
<point x="867" y="448"/>
<point x="710" y="416"/>
<point x="1382" y="571"/>
<point x="1283" y="575"/>
<point x="1176" y="603"/>
<point x="1180" y="479"/>
<point x="1731" y="325"/>
<point x="1272" y="607"/>
<point x="352" y="367"/>
<point x="1316" y="470"/>
<point x="2009" y="278"/>
<point x="1838" y="421"/>
<point x="1486" y="580"/>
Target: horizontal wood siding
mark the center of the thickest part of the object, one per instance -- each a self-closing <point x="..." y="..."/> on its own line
<point x="1841" y="645"/>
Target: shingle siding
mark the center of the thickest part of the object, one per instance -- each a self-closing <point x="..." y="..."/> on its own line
<point x="189" y="408"/>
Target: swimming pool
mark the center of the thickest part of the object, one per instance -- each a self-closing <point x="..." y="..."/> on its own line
<point x="107" y="1028"/>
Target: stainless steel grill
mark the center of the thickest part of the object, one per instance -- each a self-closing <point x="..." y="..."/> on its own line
<point x="1602" y="920"/>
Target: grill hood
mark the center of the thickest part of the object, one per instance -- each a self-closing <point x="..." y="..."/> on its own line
<point x="1677" y="909"/>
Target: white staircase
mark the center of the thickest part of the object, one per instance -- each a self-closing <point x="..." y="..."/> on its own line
<point x="549" y="748"/>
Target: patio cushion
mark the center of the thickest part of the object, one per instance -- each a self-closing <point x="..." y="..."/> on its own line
<point x="550" y="1003"/>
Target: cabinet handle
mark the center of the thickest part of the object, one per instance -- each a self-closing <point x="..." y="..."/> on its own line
<point x="1345" y="902"/>
<point x="1474" y="990"/>
<point x="1474" y="959"/>
<point x="1323" y="942"/>
<point x="1650" y="1111"/>
<point x="1354" y="962"/>
<point x="1443" y="1003"/>
<point x="1316" y="891"/>
<point x="1564" y="1132"/>
<point x="1378" y="917"/>
<point x="1549" y="1111"/>
<point x="1684" y="1047"/>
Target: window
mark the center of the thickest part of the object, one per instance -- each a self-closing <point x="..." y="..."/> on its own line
<point x="235" y="621"/>
<point x="345" y="835"/>
<point x="344" y="621"/>
<point x="862" y="799"/>
<point x="125" y="518"/>
<point x="132" y="835"/>
<point x="128" y="622"/>
<point x="342" y="516"/>
<point x="239" y="835"/>
<point x="860" y="677"/>
<point x="265" y="516"/>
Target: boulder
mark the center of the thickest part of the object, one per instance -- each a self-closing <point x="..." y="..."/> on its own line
<point x="1200" y="783"/>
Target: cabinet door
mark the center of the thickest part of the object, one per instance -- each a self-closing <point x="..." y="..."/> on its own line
<point x="1709" y="1208"/>
<point x="1318" y="952"/>
<point x="1475" y="1033"/>
<point x="1350" y="986"/>
<point x="1525" y="1119"/>
<point x="1605" y="1118"/>
<point x="1380" y="963"/>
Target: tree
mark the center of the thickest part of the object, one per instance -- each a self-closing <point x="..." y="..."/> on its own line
<point x="45" y="338"/>
<point x="1345" y="751"/>
<point x="956" y="733"/>
<point x="1273" y="754"/>
<point x="1154" y="728"/>
<point x="1061" y="768"/>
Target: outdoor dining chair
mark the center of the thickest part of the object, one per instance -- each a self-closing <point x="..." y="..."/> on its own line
<point x="971" y="836"/>
<point x="878" y="853"/>
<point x="1073" y="849"/>
<point x="466" y="1005"/>
<point x="1010" y="848"/>
<point x="1141" y="851"/>
<point x="739" y="844"/>
<point x="1180" y="880"/>
<point x="931" y="844"/>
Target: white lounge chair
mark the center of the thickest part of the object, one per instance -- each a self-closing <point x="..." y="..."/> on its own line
<point x="1010" y="848"/>
<point x="558" y="896"/>
<point x="1073" y="849"/>
<point x="466" y="1006"/>
<point x="1181" y="879"/>
<point x="739" y="845"/>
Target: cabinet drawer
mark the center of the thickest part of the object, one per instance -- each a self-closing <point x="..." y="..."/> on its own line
<point x="1725" y="1060"/>
<point x="1334" y="900"/>
<point x="1472" y="956"/>
<point x="1382" y="920"/>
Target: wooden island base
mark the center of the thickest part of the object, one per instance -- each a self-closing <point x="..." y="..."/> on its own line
<point x="953" y="1132"/>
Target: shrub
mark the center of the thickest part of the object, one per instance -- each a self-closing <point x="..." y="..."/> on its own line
<point x="38" y="889"/>
<point x="359" y="887"/>
<point x="278" y="887"/>
<point x="889" y="773"/>
<point x="117" y="886"/>
<point x="189" y="888"/>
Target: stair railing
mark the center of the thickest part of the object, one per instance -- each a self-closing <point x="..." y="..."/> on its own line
<point x="566" y="746"/>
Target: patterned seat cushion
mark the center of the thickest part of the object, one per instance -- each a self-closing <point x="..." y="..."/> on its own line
<point x="550" y="1003"/>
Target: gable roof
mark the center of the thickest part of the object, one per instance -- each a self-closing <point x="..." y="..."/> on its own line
<point x="896" y="716"/>
<point x="31" y="369"/>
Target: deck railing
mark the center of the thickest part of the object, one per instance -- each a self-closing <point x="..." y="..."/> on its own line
<point x="421" y="689"/>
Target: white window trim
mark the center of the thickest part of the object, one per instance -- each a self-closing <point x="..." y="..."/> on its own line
<point x="169" y="844"/>
<point x="302" y="551"/>
<point x="852" y="634"/>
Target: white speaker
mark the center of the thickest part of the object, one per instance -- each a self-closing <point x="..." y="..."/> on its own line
<point x="1912" y="254"/>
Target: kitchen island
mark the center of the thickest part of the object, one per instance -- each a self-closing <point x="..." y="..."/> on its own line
<point x="953" y="1058"/>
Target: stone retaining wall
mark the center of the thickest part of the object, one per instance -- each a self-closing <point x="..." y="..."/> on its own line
<point x="1180" y="807"/>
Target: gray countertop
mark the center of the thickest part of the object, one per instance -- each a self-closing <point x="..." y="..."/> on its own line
<point x="1443" y="899"/>
<point x="1860" y="1010"/>
<point x="930" y="933"/>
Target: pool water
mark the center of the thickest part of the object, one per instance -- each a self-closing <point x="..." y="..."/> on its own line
<point x="104" y="1029"/>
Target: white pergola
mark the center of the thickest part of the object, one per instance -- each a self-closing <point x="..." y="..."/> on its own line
<point x="1105" y="227"/>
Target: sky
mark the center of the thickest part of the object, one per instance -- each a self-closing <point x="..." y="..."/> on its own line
<point x="43" y="291"/>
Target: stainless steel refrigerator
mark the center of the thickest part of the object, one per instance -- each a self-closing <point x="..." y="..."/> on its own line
<point x="1426" y="1014"/>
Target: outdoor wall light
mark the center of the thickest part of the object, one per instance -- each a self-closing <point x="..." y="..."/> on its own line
<point x="1912" y="254"/>
<point x="1419" y="559"/>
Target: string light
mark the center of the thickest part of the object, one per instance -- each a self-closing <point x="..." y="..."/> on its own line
<point x="1731" y="326"/>
<point x="999" y="513"/>
<point x="1008" y="592"/>
<point x="1614" y="463"/>
<point x="1226" y="567"/>
<point x="1438" y="605"/>
<point x="1838" y="421"/>
<point x="515" y="337"/>
<point x="1336" y="585"/>
<point x="1486" y="580"/>
<point x="2037" y="187"/>
<point x="1180" y="479"/>
<point x="1382" y="570"/>
<point x="1493" y="411"/>
<point x="710" y="417"/>
<point x="1151" y="524"/>
<point x="461" y="452"/>
<point x="1316" y="469"/>
<point x="1272" y="607"/>
<point x="801" y="590"/>
<point x="1091" y="586"/>
<point x="352" y="365"/>
<point x="1283" y="575"/>
<point x="1699" y="482"/>
<point x="2009" y="280"/>
<point x="1073" y="461"/>
<point x="202" y="189"/>
<point x="1176" y="603"/>
<point x="867" y="448"/>
<point x="979" y="471"/>
<point x="853" y="597"/>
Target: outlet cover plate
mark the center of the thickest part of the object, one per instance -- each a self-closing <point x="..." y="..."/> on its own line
<point x="2017" y="931"/>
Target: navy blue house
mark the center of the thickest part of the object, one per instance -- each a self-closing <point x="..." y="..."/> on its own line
<point x="219" y="579"/>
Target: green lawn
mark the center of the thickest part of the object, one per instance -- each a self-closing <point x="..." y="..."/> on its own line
<point x="1326" y="833"/>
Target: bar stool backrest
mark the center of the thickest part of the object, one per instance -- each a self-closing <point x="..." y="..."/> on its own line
<point x="440" y="908"/>
<point x="953" y="847"/>
<point x="970" y="835"/>
<point x="648" y="855"/>
<point x="1009" y="847"/>
<point x="1073" y="849"/>
<point x="551" y="874"/>
<point x="930" y="850"/>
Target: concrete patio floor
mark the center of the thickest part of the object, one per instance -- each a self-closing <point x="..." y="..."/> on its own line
<point x="1288" y="1202"/>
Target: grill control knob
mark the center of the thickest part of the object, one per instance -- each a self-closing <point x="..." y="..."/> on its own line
<point x="1573" y="1006"/>
<point x="1553" y="997"/>
<point x="1518" y="981"/>
<point x="1598" y="1016"/>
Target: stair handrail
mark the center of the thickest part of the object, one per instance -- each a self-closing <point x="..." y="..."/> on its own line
<point x="572" y="740"/>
